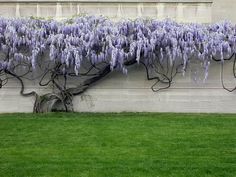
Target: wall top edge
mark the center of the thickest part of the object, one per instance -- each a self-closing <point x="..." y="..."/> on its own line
<point x="107" y="1"/>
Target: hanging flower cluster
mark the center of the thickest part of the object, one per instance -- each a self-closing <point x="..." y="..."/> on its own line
<point x="98" y="39"/>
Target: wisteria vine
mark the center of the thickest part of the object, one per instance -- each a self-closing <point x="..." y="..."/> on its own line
<point x="73" y="54"/>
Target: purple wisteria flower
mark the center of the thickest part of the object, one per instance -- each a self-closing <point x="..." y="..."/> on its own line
<point x="98" y="39"/>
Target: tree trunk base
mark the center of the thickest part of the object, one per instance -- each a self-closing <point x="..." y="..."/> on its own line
<point x="53" y="102"/>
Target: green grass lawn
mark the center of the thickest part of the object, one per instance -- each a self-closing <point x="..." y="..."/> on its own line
<point x="112" y="145"/>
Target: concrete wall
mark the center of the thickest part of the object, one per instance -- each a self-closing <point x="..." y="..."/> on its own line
<point x="224" y="10"/>
<point x="181" y="11"/>
<point x="118" y="92"/>
<point x="203" y="11"/>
